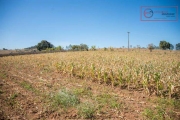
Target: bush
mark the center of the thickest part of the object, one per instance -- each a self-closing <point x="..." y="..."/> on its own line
<point x="150" y="47"/>
<point x="105" y="49"/>
<point x="65" y="99"/>
<point x="86" y="110"/>
<point x="111" y="48"/>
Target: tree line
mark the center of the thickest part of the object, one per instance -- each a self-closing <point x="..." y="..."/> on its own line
<point x="45" y="45"/>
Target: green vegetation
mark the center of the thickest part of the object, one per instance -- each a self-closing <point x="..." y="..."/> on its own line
<point x="105" y="49"/>
<point x="164" y="109"/>
<point x="1" y="91"/>
<point x="3" y="75"/>
<point x="13" y="96"/>
<point x="85" y="91"/>
<point x="150" y="47"/>
<point x="11" y="100"/>
<point x="43" y="45"/>
<point x="28" y="86"/>
<point x="81" y="47"/>
<point x="108" y="100"/>
<point x="86" y="110"/>
<point x="65" y="99"/>
<point x="111" y="48"/>
<point x="164" y="45"/>
<point x="153" y="115"/>
<point x="93" y="48"/>
<point x="178" y="46"/>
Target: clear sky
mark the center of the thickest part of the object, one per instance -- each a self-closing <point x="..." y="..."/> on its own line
<point x="104" y="23"/>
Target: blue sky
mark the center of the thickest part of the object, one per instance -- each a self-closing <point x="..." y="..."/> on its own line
<point x="104" y="23"/>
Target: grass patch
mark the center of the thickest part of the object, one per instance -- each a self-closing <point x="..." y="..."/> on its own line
<point x="29" y="87"/>
<point x="165" y="109"/>
<point x="13" y="96"/>
<point x="65" y="99"/>
<point x="155" y="114"/>
<point x="11" y="101"/>
<point x="86" y="110"/>
<point x="85" y="91"/>
<point x="3" y="75"/>
<point x="108" y="100"/>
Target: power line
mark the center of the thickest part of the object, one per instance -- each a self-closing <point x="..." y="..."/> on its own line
<point x="128" y="40"/>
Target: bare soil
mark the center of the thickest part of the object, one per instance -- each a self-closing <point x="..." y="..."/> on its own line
<point x="19" y="102"/>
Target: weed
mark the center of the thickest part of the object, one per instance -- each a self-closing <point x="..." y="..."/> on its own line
<point x="86" y="110"/>
<point x="29" y="87"/>
<point x="115" y="104"/>
<point x="109" y="100"/>
<point x="155" y="114"/>
<point x="3" y="75"/>
<point x="148" y="113"/>
<point x="176" y="104"/>
<point x="82" y="91"/>
<point x="65" y="99"/>
<point x="165" y="108"/>
<point x="13" y="96"/>
<point x="11" y="101"/>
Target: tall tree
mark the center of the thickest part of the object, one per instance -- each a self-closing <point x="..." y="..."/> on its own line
<point x="171" y="46"/>
<point x="164" y="45"/>
<point x="178" y="46"/>
<point x="84" y="47"/>
<point x="44" y="44"/>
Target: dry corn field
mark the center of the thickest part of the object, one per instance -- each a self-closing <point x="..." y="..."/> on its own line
<point x="103" y="85"/>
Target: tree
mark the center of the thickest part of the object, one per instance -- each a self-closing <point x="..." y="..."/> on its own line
<point x="59" y="48"/>
<point x="138" y="46"/>
<point x="164" y="45"/>
<point x="5" y="49"/>
<point x="75" y="47"/>
<point x="156" y="47"/>
<point x="84" y="47"/>
<point x="105" y="49"/>
<point x="93" y="47"/>
<point x="171" y="47"/>
<point x="178" y="46"/>
<point x="43" y="45"/>
<point x="111" y="48"/>
<point x="81" y="47"/>
<point x="150" y="47"/>
<point x="32" y="47"/>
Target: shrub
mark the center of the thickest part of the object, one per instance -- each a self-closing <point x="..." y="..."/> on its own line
<point x="86" y="110"/>
<point x="65" y="98"/>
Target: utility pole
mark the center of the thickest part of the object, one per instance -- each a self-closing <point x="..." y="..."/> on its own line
<point x="128" y="40"/>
